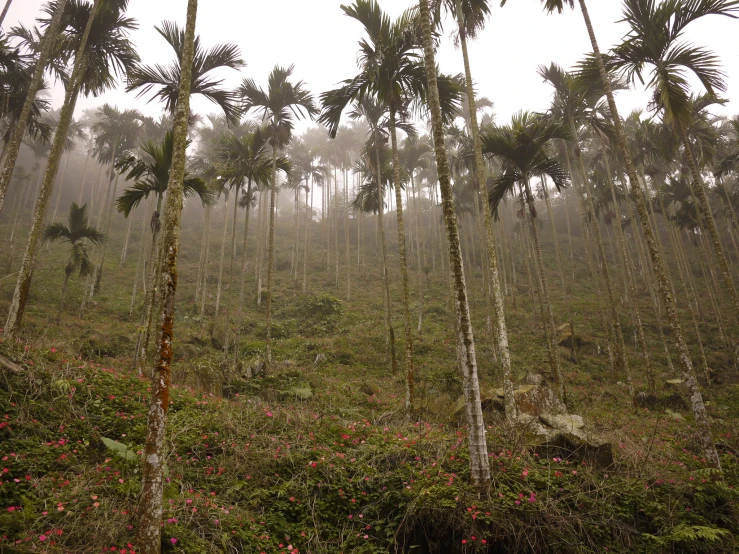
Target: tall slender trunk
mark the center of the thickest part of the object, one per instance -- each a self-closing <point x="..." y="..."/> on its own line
<point x="201" y="259"/>
<point x="5" y="11"/>
<point x="60" y="190"/>
<point x="84" y="179"/>
<point x="709" y="221"/>
<point x="409" y="371"/>
<point x="45" y="51"/>
<point x="109" y="223"/>
<point x="204" y="285"/>
<point x="61" y="302"/>
<point x="549" y="325"/>
<point x="152" y="481"/>
<point x="296" y="227"/>
<point x="419" y="261"/>
<point x="223" y="255"/>
<point x="139" y="262"/>
<point x="631" y="282"/>
<point x="622" y="361"/>
<point x="124" y="250"/>
<point x="242" y="288"/>
<point x="385" y="275"/>
<point x="492" y="254"/>
<point x="479" y="465"/>
<point x="308" y="221"/>
<point x="23" y="285"/>
<point x="271" y="256"/>
<point x="688" y="372"/>
<point x="347" y="246"/>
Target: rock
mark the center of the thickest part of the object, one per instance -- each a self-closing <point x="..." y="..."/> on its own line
<point x="369" y="390"/>
<point x="645" y="400"/>
<point x="674" y="402"/>
<point x="565" y="423"/>
<point x="320" y="359"/>
<point x="257" y="367"/>
<point x="673" y="383"/>
<point x="583" y="344"/>
<point x="533" y="379"/>
<point x="570" y="446"/>
<point x="530" y="399"/>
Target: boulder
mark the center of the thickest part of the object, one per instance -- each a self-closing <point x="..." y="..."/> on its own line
<point x="570" y="446"/>
<point x="583" y="344"/>
<point x="530" y="399"/>
<point x="320" y="359"/>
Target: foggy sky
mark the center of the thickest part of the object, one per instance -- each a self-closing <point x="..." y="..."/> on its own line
<point x="322" y="43"/>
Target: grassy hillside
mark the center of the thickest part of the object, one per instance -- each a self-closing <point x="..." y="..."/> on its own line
<point x="321" y="457"/>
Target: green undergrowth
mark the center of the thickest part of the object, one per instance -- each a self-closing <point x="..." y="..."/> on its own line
<point x="339" y="470"/>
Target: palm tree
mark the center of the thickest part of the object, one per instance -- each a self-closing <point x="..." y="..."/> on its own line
<point x="658" y="265"/>
<point x="165" y="80"/>
<point x="373" y="113"/>
<point x="391" y="72"/>
<point x="35" y="84"/>
<point x="98" y="35"/>
<point x="151" y="176"/>
<point x="655" y="44"/>
<point x="279" y="105"/>
<point x="574" y="108"/>
<point x="76" y="232"/>
<point x="245" y="159"/>
<point x="521" y="149"/>
<point x="152" y="482"/>
<point x="479" y="465"/>
<point x="115" y="131"/>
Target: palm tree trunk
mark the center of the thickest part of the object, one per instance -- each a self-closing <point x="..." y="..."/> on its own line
<point x="204" y="285"/>
<point x="23" y="285"/>
<point x="201" y="258"/>
<point x="622" y="361"/>
<point x="84" y="179"/>
<point x="385" y="276"/>
<point x="45" y="51"/>
<point x="308" y="221"/>
<point x="296" y="227"/>
<point x="688" y="372"/>
<point x="124" y="250"/>
<point x="491" y="251"/>
<point x="347" y="246"/>
<point x="242" y="288"/>
<point x="479" y="465"/>
<point x="61" y="302"/>
<point x="61" y="187"/>
<point x="419" y="263"/>
<point x="109" y="223"/>
<point x="271" y="256"/>
<point x="549" y="325"/>
<point x="223" y="255"/>
<point x="700" y="191"/>
<point x="152" y="481"/>
<point x="139" y="261"/>
<point x="336" y="224"/>
<point x="631" y="282"/>
<point x="409" y="370"/>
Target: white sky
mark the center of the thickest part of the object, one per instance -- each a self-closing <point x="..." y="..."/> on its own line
<point x="322" y="43"/>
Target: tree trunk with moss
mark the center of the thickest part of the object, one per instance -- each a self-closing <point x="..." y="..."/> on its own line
<point x="479" y="464"/>
<point x="500" y="326"/>
<point x="409" y="377"/>
<point x="271" y="256"/>
<point x="152" y="481"/>
<point x="686" y="364"/>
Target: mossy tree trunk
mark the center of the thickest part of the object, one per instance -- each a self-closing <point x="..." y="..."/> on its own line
<point x="152" y="481"/>
<point x="479" y="465"/>
<point x="409" y="377"/>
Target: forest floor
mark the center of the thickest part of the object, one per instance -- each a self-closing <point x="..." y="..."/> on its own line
<point x="321" y="458"/>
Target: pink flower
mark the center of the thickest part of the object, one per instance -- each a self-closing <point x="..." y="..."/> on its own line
<point x="42" y="538"/>
<point x="268" y="414"/>
<point x="173" y="540"/>
<point x="53" y="350"/>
